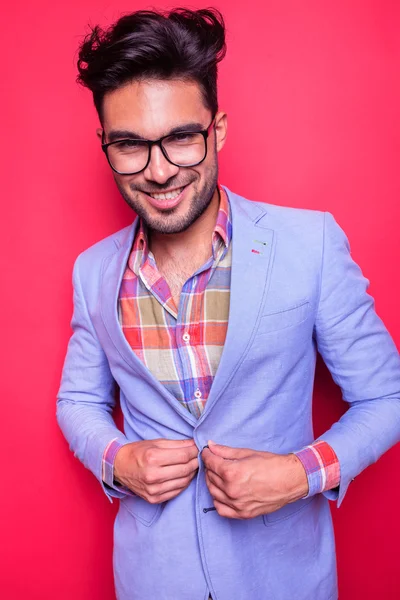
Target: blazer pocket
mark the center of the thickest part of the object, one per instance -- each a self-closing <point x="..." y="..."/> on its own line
<point x="286" y="511"/>
<point x="283" y="319"/>
<point x="142" y="510"/>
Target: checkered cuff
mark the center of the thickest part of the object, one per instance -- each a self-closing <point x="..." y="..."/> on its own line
<point x="108" y="466"/>
<point x="322" y="467"/>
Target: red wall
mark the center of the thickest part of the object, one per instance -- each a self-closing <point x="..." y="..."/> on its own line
<point x="312" y="92"/>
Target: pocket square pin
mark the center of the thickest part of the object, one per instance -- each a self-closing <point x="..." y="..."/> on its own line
<point x="258" y="242"/>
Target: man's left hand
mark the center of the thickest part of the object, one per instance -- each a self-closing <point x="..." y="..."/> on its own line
<point x="246" y="483"/>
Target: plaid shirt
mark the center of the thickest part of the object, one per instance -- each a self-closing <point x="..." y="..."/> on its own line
<point x="182" y="345"/>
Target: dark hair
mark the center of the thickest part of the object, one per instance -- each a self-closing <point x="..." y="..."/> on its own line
<point x="181" y="43"/>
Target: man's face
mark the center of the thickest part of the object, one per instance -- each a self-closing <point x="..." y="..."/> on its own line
<point x="151" y="109"/>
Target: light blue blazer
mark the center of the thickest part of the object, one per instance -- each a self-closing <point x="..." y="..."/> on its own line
<point x="301" y="293"/>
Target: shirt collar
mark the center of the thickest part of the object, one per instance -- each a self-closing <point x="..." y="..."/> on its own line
<point x="223" y="225"/>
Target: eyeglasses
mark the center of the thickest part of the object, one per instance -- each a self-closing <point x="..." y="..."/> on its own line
<point x="183" y="149"/>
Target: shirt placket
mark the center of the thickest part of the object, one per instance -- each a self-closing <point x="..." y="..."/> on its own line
<point x="187" y="331"/>
<point x="188" y="338"/>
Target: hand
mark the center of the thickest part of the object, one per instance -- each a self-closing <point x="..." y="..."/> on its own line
<point x="156" y="470"/>
<point x="245" y="483"/>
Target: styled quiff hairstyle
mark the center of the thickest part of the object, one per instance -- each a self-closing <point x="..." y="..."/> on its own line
<point x="178" y="44"/>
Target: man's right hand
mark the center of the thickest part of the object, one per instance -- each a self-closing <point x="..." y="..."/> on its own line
<point x="156" y="470"/>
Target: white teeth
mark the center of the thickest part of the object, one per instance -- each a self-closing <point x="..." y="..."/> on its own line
<point x="167" y="196"/>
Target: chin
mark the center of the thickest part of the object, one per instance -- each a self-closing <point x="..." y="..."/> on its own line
<point x="169" y="227"/>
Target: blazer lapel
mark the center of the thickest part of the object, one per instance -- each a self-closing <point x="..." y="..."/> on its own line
<point x="252" y="258"/>
<point x="112" y="273"/>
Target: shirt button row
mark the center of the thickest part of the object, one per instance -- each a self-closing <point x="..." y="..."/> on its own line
<point x="186" y="337"/>
<point x="197" y="393"/>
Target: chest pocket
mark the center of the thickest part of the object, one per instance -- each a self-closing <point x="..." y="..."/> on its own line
<point x="287" y="511"/>
<point x="284" y="319"/>
<point x="142" y="510"/>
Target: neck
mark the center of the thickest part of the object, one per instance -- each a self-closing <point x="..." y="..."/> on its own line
<point x="196" y="239"/>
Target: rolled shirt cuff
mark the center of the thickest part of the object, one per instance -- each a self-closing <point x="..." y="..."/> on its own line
<point x="322" y="467"/>
<point x="108" y="466"/>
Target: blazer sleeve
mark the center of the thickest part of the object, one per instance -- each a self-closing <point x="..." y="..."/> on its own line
<point x="86" y="397"/>
<point x="362" y="359"/>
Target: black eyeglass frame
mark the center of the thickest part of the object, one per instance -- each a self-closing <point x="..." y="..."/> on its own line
<point x="150" y="143"/>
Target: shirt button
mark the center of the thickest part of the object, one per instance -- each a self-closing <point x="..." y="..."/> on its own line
<point x="197" y="393"/>
<point x="186" y="337"/>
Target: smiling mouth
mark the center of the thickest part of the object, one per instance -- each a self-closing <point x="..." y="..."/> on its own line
<point x="167" y="195"/>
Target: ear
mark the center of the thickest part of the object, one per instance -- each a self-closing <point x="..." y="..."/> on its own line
<point x="221" y="129"/>
<point x="99" y="133"/>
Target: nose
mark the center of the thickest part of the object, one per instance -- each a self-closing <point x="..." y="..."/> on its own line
<point x="159" y="168"/>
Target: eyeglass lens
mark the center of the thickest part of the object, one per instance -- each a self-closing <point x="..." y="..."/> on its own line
<point x="181" y="149"/>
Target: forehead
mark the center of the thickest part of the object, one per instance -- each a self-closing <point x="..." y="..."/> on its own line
<point x="153" y="107"/>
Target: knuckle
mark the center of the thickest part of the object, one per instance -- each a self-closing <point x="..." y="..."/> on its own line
<point x="186" y="480"/>
<point x="148" y="478"/>
<point x="153" y="499"/>
<point x="227" y="474"/>
<point x="222" y="471"/>
<point x="193" y="454"/>
<point x="189" y="479"/>
<point x="188" y="471"/>
<point x="234" y="471"/>
<point x="150" y="456"/>
<point x="190" y="455"/>
<point x="211" y="489"/>
<point x="153" y="490"/>
<point x="242" y="511"/>
<point x="222" y="511"/>
<point x="232" y="490"/>
<point x="245" y="514"/>
<point x="185" y="457"/>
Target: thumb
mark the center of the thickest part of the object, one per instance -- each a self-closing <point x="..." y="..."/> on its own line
<point x="228" y="452"/>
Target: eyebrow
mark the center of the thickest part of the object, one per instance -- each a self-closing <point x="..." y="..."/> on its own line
<point x="121" y="134"/>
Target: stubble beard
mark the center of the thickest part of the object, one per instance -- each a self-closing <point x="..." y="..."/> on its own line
<point x="165" y="223"/>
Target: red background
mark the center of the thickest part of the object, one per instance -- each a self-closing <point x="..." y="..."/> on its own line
<point x="312" y="93"/>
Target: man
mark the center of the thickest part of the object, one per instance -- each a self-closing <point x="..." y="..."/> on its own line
<point x="207" y="313"/>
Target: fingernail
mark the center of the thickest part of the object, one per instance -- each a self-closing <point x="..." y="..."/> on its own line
<point x="211" y="443"/>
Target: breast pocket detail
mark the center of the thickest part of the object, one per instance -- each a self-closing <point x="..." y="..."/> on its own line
<point x="283" y="319"/>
